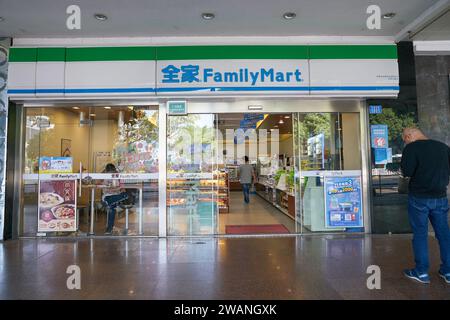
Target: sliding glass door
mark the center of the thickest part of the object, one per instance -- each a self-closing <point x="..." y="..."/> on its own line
<point x="192" y="204"/>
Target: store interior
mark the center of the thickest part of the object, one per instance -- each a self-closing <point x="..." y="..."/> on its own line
<point x="204" y="195"/>
<point x="272" y="202"/>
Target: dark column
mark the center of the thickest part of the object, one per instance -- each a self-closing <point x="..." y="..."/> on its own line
<point x="432" y="77"/>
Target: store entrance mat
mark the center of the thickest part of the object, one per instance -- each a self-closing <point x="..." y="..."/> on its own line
<point x="256" y="229"/>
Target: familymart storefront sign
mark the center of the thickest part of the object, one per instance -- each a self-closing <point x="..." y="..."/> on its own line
<point x="331" y="70"/>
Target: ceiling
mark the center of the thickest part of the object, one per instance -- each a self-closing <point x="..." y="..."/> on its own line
<point x="438" y="29"/>
<point x="162" y="18"/>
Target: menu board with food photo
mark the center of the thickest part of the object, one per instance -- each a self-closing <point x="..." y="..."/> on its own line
<point x="57" y="205"/>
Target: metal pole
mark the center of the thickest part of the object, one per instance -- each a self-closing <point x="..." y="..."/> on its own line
<point x="140" y="211"/>
<point x="91" y="232"/>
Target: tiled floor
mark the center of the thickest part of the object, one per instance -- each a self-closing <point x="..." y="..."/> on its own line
<point x="303" y="267"/>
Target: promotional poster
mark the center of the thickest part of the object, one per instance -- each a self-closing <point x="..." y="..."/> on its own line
<point x="343" y="202"/>
<point x="57" y="206"/>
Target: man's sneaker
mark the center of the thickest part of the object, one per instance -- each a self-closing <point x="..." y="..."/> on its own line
<point x="108" y="233"/>
<point x="413" y="274"/>
<point x="445" y="276"/>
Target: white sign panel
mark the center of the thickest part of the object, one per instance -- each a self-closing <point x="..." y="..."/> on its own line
<point x="362" y="77"/>
<point x="222" y="77"/>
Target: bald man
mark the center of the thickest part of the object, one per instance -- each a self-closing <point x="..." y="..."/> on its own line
<point x="427" y="163"/>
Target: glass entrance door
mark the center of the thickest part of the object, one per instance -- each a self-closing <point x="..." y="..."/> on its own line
<point x="192" y="175"/>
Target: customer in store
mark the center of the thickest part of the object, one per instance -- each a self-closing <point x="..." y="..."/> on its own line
<point x="427" y="163"/>
<point x="112" y="196"/>
<point x="246" y="173"/>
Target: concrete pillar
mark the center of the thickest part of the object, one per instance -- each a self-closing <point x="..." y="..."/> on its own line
<point x="433" y="105"/>
<point x="4" y="47"/>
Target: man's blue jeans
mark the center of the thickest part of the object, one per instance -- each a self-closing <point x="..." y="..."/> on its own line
<point x="246" y="190"/>
<point x="436" y="210"/>
<point x="112" y="202"/>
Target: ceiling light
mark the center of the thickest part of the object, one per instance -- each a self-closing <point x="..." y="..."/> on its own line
<point x="2" y="19"/>
<point x="287" y="117"/>
<point x="208" y="16"/>
<point x="76" y="108"/>
<point x="289" y="15"/>
<point x="255" y="107"/>
<point x="92" y="114"/>
<point x="107" y="108"/>
<point x="281" y="121"/>
<point x="389" y="15"/>
<point x="100" y="17"/>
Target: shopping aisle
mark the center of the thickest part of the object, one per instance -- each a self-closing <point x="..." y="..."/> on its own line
<point x="257" y="212"/>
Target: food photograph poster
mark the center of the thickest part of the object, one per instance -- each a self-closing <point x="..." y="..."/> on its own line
<point x="57" y="205"/>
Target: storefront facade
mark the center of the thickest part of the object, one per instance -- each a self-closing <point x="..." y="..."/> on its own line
<point x="80" y="108"/>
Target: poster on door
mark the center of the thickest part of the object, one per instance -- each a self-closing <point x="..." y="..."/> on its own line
<point x="379" y="135"/>
<point x="57" y="205"/>
<point x="343" y="202"/>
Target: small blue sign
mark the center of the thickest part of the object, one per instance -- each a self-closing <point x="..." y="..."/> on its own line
<point x="381" y="155"/>
<point x="379" y="135"/>
<point x="343" y="202"/>
<point x="375" y="109"/>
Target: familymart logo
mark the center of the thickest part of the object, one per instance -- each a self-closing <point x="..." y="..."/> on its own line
<point x="192" y="73"/>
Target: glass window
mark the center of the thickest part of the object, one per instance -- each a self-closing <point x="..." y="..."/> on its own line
<point x="328" y="179"/>
<point x="79" y="142"/>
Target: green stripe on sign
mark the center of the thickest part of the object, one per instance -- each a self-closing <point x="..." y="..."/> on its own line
<point x="231" y="52"/>
<point x="353" y="52"/>
<point x="22" y="54"/>
<point x="110" y="54"/>
<point x="51" y="54"/>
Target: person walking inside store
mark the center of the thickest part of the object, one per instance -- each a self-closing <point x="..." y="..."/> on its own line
<point x="427" y="163"/>
<point x="246" y="173"/>
<point x="112" y="196"/>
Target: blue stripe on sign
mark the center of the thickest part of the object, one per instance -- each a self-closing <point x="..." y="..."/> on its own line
<point x="356" y="88"/>
<point x="21" y="91"/>
<point x="109" y="90"/>
<point x="187" y="89"/>
<point x="49" y="90"/>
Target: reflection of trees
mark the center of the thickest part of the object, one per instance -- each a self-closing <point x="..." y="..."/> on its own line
<point x="313" y="124"/>
<point x="142" y="127"/>
<point x="186" y="131"/>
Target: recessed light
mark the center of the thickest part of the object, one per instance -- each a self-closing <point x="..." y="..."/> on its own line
<point x="281" y="121"/>
<point x="92" y="114"/>
<point x="287" y="117"/>
<point x="76" y="108"/>
<point x="289" y="15"/>
<point x="208" y="16"/>
<point x="107" y="108"/>
<point x="100" y="17"/>
<point x="389" y="15"/>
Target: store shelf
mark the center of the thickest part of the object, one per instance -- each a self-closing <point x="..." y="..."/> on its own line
<point x="269" y="199"/>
